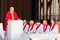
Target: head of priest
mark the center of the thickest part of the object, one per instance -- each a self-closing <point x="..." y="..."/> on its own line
<point x="24" y="21"/>
<point x="52" y="21"/>
<point x="45" y="22"/>
<point x="31" y="22"/>
<point x="12" y="9"/>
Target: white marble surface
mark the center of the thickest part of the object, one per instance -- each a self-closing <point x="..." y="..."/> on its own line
<point x="45" y="36"/>
<point x="40" y="36"/>
<point x="14" y="29"/>
<point x="1" y="30"/>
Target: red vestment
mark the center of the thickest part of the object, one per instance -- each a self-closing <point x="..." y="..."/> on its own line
<point x="9" y="17"/>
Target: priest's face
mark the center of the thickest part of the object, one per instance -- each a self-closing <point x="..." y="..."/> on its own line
<point x="31" y="22"/>
<point x="11" y="9"/>
<point x="24" y="21"/>
<point x="44" y="22"/>
<point x="52" y="21"/>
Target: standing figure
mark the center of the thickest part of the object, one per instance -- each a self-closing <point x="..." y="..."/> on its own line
<point x="10" y="15"/>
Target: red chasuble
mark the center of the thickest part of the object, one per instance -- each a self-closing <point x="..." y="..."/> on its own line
<point x="9" y="17"/>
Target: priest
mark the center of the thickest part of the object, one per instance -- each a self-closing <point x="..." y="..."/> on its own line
<point x="32" y="26"/>
<point x="46" y="27"/>
<point x="53" y="27"/>
<point x="39" y="28"/>
<point x="25" y="26"/>
<point x="10" y="15"/>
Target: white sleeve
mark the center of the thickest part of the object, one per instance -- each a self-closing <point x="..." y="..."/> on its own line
<point x="56" y="29"/>
<point x="48" y="29"/>
<point x="42" y="28"/>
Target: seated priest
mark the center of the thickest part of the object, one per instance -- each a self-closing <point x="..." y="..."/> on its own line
<point x="32" y="26"/>
<point x="53" y="27"/>
<point x="39" y="28"/>
<point x="46" y="27"/>
<point x="10" y="15"/>
<point x="25" y="26"/>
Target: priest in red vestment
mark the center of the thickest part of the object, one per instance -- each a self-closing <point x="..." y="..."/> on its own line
<point x="10" y="15"/>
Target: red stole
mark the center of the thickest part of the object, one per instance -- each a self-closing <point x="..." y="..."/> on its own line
<point x="38" y="26"/>
<point x="45" y="28"/>
<point x="24" y="27"/>
<point x="52" y="26"/>
<point x="31" y="27"/>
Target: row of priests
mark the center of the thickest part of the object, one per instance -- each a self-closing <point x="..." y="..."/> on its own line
<point x="40" y="28"/>
<point x="31" y="27"/>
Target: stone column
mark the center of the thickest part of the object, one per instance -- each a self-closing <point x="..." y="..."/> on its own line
<point x="54" y="9"/>
<point x="39" y="11"/>
<point x="45" y="8"/>
<point x="48" y="12"/>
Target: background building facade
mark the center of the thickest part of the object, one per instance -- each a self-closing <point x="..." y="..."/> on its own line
<point x="31" y="9"/>
<point x="48" y="9"/>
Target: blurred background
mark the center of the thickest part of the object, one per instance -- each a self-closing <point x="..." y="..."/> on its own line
<point x="32" y="9"/>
